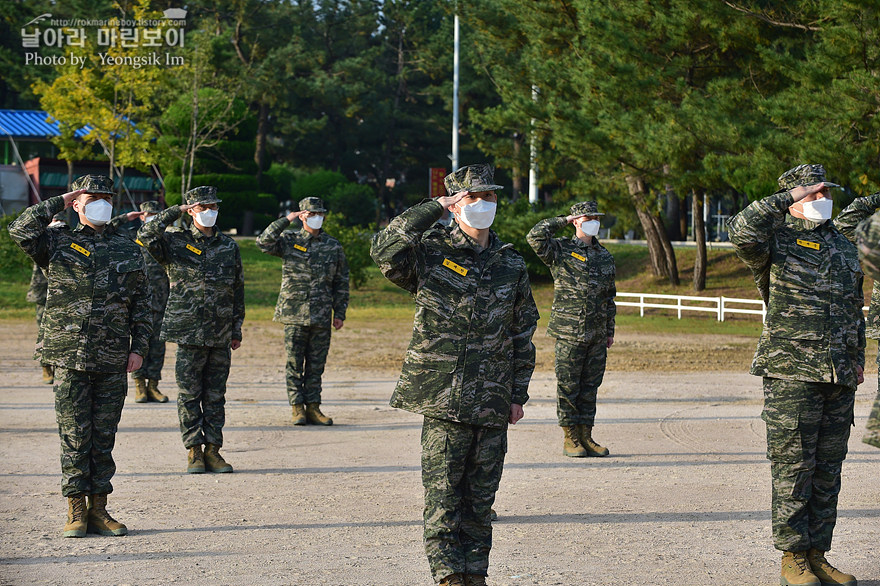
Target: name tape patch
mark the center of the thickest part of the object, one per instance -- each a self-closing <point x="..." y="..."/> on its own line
<point x="80" y="249"/>
<point x="808" y="244"/>
<point x="579" y="257"/>
<point x="138" y="240"/>
<point x="298" y="247"/>
<point x="192" y="248"/>
<point x="451" y="265"/>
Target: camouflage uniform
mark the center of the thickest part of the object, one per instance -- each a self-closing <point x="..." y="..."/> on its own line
<point x="204" y="313"/>
<point x="155" y="358"/>
<point x="470" y="358"/>
<point x="813" y="340"/>
<point x="97" y="312"/>
<point x="847" y="221"/>
<point x="37" y="294"/>
<point x="582" y="316"/>
<point x="314" y="290"/>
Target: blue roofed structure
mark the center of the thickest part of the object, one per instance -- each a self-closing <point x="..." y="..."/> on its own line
<point x="31" y="125"/>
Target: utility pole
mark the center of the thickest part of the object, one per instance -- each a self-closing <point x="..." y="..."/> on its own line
<point x="533" y="157"/>
<point x="455" y="41"/>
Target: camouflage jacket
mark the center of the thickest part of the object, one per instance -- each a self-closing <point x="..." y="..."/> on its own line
<point x="847" y="221"/>
<point x="809" y="277"/>
<point x="206" y="302"/>
<point x="314" y="280"/>
<point x="36" y="292"/>
<point x="583" y="283"/>
<point x="98" y="296"/>
<point x="471" y="353"/>
<point x="155" y="272"/>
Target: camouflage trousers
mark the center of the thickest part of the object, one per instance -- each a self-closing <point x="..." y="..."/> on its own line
<point x="580" y="368"/>
<point x="461" y="470"/>
<point x="88" y="406"/>
<point x="201" y="393"/>
<point x="307" y="348"/>
<point x="808" y="426"/>
<point x="155" y="358"/>
<point x="874" y="417"/>
<point x="41" y="309"/>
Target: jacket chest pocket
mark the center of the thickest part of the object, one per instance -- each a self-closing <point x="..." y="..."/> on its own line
<point x="804" y="265"/>
<point x="72" y="266"/>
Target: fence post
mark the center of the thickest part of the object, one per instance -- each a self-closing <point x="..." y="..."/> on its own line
<point x="641" y="306"/>
<point x="721" y="309"/>
<point x="678" y="302"/>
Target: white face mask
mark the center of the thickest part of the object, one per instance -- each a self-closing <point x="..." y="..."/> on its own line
<point x="818" y="210"/>
<point x="479" y="214"/>
<point x="315" y="222"/>
<point x="98" y="212"/>
<point x="207" y="218"/>
<point x="149" y="218"/>
<point x="590" y="228"/>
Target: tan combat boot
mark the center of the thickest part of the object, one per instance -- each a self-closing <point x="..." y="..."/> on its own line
<point x="299" y="414"/>
<point x="100" y="520"/>
<point x="474" y="580"/>
<point x="314" y="415"/>
<point x="453" y="580"/>
<point x="153" y="393"/>
<point x="140" y="391"/>
<point x="872" y="438"/>
<point x="572" y="446"/>
<point x="593" y="449"/>
<point x="827" y="573"/>
<point x="195" y="460"/>
<point x="77" y="516"/>
<point x="796" y="570"/>
<point x="48" y="374"/>
<point x="214" y="462"/>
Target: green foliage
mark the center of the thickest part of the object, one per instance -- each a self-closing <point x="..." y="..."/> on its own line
<point x="14" y="263"/>
<point x="355" y="242"/>
<point x="513" y="222"/>
<point x="318" y="184"/>
<point x="280" y="179"/>
<point x="355" y="203"/>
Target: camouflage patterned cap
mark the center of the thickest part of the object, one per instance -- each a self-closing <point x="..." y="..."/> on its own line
<point x="471" y="178"/>
<point x="804" y="175"/>
<point x="589" y="208"/>
<point x="94" y="184"/>
<point x="151" y="207"/>
<point x="312" y="204"/>
<point x="201" y="194"/>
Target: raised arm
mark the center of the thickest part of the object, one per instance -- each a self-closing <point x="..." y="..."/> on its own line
<point x="861" y="208"/>
<point x="152" y="234"/>
<point x="540" y="238"/>
<point x="30" y="230"/>
<point x="270" y="240"/>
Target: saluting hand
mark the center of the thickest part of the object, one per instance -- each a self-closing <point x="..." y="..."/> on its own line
<point x="449" y="200"/>
<point x="132" y="216"/>
<point x="189" y="206"/>
<point x="801" y="191"/>
<point x="571" y="219"/>
<point x="296" y="215"/>
<point x="72" y="195"/>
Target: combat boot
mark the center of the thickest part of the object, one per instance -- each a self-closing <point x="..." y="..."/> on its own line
<point x="77" y="516"/>
<point x="593" y="449"/>
<point x="299" y="414"/>
<point x="796" y="570"/>
<point x="195" y="460"/>
<point x="827" y="573"/>
<point x="872" y="438"/>
<point x="100" y="520"/>
<point x="153" y="393"/>
<point x="314" y="415"/>
<point x="48" y="374"/>
<point x="572" y="446"/>
<point x="474" y="580"/>
<point x="140" y="390"/>
<point x="214" y="462"/>
<point x="453" y="580"/>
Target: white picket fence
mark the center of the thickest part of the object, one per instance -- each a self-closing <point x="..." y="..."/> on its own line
<point x="720" y="306"/>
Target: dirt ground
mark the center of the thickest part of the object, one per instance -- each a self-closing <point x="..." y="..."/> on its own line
<point x="683" y="499"/>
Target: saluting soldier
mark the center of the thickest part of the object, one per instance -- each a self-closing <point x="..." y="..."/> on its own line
<point x="204" y="315"/>
<point x="581" y="320"/>
<point x="469" y="363"/>
<point x="314" y="295"/>
<point x="811" y="355"/>
<point x="147" y="377"/>
<point x="861" y="210"/>
<point x="37" y="294"/>
<point x="96" y="327"/>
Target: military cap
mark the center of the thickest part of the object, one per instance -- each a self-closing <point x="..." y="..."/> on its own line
<point x="312" y="204"/>
<point x="589" y="208"/>
<point x="201" y="194"/>
<point x="471" y="178"/>
<point x="94" y="184"/>
<point x="151" y="207"/>
<point x="804" y="175"/>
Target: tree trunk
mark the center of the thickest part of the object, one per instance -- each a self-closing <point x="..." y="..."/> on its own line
<point x="683" y="217"/>
<point x="516" y="171"/>
<point x="69" y="174"/>
<point x="669" y="252"/>
<point x="655" y="248"/>
<point x="700" y="239"/>
<point x="673" y="230"/>
<point x="260" y="150"/>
